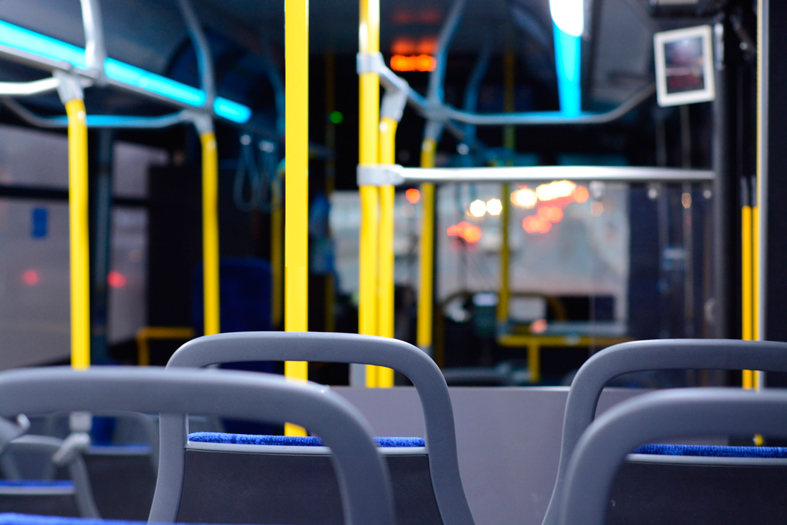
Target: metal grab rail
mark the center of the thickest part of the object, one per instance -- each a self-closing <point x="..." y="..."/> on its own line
<point x="397" y="175"/>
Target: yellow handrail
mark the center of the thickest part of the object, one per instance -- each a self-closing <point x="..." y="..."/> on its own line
<point x="426" y="252"/>
<point x="369" y="91"/>
<point x="747" y="277"/>
<point x="509" y="141"/>
<point x="78" y="234"/>
<point x="386" y="312"/>
<point x="146" y="333"/>
<point x="296" y="195"/>
<point x="755" y="262"/>
<point x="210" y="232"/>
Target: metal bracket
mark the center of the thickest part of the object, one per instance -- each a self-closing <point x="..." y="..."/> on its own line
<point x="202" y="121"/>
<point x="69" y="87"/>
<point x="74" y="444"/>
<point x="380" y="175"/>
<point x="393" y="104"/>
<point x="369" y="63"/>
<point x="375" y="63"/>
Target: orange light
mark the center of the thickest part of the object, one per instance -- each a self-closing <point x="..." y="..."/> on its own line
<point x="427" y="45"/>
<point x="581" y="194"/>
<point x="116" y="279"/>
<point x="551" y="213"/>
<point x="464" y="230"/>
<point x="536" y="224"/>
<point x="472" y="234"/>
<point x="539" y="326"/>
<point x="403" y="46"/>
<point x="412" y="195"/>
<point x="30" y="277"/>
<point x="413" y="63"/>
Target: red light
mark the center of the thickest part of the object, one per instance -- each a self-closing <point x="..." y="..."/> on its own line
<point x="536" y="224"/>
<point x="116" y="279"/>
<point x="581" y="194"/>
<point x="30" y="277"/>
<point x="413" y="63"/>
<point x="464" y="230"/>
<point x="412" y="195"/>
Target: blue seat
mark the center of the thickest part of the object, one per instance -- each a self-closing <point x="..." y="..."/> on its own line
<point x="425" y="473"/>
<point x="363" y="477"/>
<point x="589" y="496"/>
<point x="670" y="482"/>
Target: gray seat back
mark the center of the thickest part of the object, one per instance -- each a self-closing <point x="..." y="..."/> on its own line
<point x="363" y="477"/>
<point x="336" y="348"/>
<point x="653" y="417"/>
<point x="637" y="356"/>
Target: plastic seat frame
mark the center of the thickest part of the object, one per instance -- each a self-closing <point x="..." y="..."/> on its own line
<point x="655" y="416"/>
<point x="364" y="482"/>
<point x="336" y="348"/>
<point x="638" y="356"/>
<point x="75" y="463"/>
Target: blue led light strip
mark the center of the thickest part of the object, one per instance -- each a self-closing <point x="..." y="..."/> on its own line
<point x="44" y="46"/>
<point x="568" y="62"/>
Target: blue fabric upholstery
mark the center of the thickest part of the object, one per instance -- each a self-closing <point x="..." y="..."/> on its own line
<point x="293" y="441"/>
<point x="130" y="448"/>
<point x="58" y="483"/>
<point x="713" y="451"/>
<point x="33" y="519"/>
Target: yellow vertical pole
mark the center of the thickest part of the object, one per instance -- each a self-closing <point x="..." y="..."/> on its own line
<point x="296" y="205"/>
<point x="509" y="142"/>
<point x="78" y="234"/>
<point x="210" y="232"/>
<point x="330" y="174"/>
<point x="426" y="252"/>
<point x="386" y="313"/>
<point x="747" y="327"/>
<point x="755" y="260"/>
<point x="369" y="110"/>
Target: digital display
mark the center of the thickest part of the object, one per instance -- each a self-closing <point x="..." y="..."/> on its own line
<point x="684" y="66"/>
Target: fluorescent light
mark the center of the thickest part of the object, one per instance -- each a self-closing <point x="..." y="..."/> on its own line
<point x="568" y="63"/>
<point x="568" y="15"/>
<point x="231" y="110"/>
<point x="37" y="44"/>
<point x="134" y="76"/>
<point x="44" y="46"/>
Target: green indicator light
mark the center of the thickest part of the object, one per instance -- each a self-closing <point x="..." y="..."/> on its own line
<point x="336" y="117"/>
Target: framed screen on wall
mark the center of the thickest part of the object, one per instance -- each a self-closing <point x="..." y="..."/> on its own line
<point x="684" y="66"/>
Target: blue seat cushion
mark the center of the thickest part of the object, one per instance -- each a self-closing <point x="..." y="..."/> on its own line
<point x="293" y="441"/>
<point x="713" y="451"/>
<point x="57" y="483"/>
<point x="34" y="519"/>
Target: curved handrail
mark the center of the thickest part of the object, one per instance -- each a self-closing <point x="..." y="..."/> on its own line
<point x="336" y="348"/>
<point x="637" y="356"/>
<point x="363" y="475"/>
<point x="653" y="417"/>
